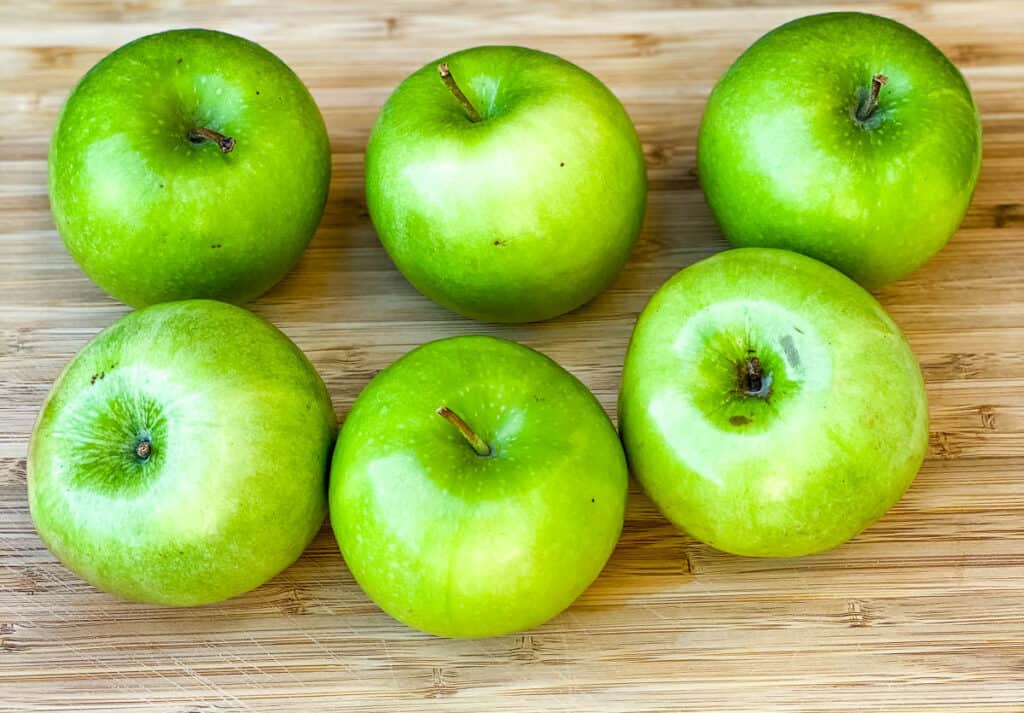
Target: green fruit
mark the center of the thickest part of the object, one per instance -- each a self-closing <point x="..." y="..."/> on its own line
<point x="484" y="526"/>
<point x="522" y="215"/>
<point x="769" y="405"/>
<point x="151" y="210"/>
<point x="181" y="457"/>
<point x="792" y="155"/>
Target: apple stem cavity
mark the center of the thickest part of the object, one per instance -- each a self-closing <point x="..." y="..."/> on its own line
<point x="449" y="81"/>
<point x="753" y="381"/>
<point x="201" y="134"/>
<point x="143" y="449"/>
<point x="478" y="444"/>
<point x="870" y="102"/>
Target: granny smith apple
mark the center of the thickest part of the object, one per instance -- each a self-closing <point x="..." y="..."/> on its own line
<point x="769" y="406"/>
<point x="847" y="137"/>
<point x="506" y="184"/>
<point x="181" y="457"/>
<point x="477" y="488"/>
<point x="188" y="164"/>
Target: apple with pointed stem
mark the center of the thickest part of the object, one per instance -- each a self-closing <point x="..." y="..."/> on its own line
<point x="187" y="164"/>
<point x="477" y="488"/>
<point x="506" y="184"/>
<point x="844" y="136"/>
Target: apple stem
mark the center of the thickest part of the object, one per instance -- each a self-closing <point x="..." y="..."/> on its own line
<point x="449" y="81"/>
<point x="201" y="134"/>
<point x="143" y="449"/>
<point x="478" y="444"/>
<point x="753" y="381"/>
<point x="870" y="102"/>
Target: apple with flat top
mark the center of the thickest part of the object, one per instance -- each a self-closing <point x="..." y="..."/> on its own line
<point x="770" y="407"/>
<point x="181" y="457"/>
<point x="477" y="488"/>
<point x="506" y="184"/>
<point x="844" y="136"/>
<point x="187" y="164"/>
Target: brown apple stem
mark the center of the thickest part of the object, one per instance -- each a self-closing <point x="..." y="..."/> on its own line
<point x="449" y="81"/>
<point x="143" y="449"/>
<point x="478" y="444"/>
<point x="201" y="134"/>
<point x="752" y="376"/>
<point x="870" y="102"/>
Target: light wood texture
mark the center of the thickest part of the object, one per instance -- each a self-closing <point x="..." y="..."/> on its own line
<point x="923" y="611"/>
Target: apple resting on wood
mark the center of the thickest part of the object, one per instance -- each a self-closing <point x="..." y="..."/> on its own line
<point x="847" y="137"/>
<point x="181" y="458"/>
<point x="506" y="184"/>
<point x="188" y="164"/>
<point x="769" y="405"/>
<point x="477" y="488"/>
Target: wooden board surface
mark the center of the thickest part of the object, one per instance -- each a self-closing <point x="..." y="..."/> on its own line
<point x="924" y="611"/>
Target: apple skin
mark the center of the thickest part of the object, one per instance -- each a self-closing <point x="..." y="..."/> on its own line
<point x="235" y="486"/>
<point x="833" y="447"/>
<point x="150" y="216"/>
<point x="461" y="545"/>
<point x="522" y="216"/>
<point x="784" y="162"/>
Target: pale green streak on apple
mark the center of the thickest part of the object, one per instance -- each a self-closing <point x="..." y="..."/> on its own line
<point x="522" y="216"/>
<point x="152" y="217"/>
<point x="241" y="428"/>
<point x="784" y="164"/>
<point x="836" y="444"/>
<point x="462" y="545"/>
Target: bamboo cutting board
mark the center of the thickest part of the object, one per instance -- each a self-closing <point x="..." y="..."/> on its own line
<point x="923" y="611"/>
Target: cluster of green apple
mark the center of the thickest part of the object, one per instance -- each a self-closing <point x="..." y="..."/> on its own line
<point x="769" y="405"/>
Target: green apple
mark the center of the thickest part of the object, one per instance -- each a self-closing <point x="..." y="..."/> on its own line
<point x="769" y="406"/>
<point x="181" y="458"/>
<point x="847" y="137"/>
<point x="188" y="164"/>
<point x="506" y="184"/>
<point x="477" y="488"/>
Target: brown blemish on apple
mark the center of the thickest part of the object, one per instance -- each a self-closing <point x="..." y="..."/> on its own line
<point x="739" y="420"/>
<point x="215" y="245"/>
<point x="97" y="375"/>
<point x="500" y="243"/>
